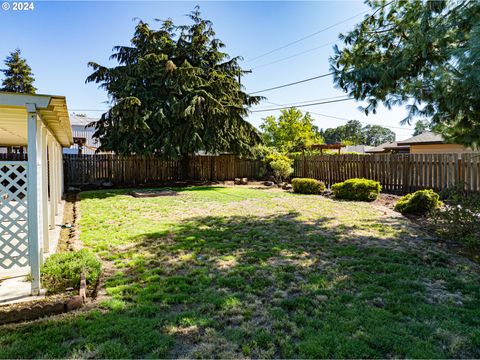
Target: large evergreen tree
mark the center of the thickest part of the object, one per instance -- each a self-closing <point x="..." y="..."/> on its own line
<point x="424" y="54"/>
<point x="173" y="93"/>
<point x="18" y="75"/>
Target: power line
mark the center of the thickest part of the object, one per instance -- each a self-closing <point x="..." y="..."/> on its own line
<point x="345" y="119"/>
<point x="312" y="104"/>
<point x="293" y="83"/>
<point x="104" y="110"/>
<point x="303" y="102"/>
<point x="305" y="37"/>
<point x="294" y="55"/>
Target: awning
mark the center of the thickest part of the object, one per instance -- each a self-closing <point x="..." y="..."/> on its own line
<point x="13" y="118"/>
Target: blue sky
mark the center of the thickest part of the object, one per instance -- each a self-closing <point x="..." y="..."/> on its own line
<point x="59" y="38"/>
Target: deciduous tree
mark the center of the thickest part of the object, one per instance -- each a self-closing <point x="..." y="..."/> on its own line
<point x="291" y="131"/>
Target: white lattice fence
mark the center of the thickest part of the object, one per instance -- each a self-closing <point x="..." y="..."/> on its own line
<point x="13" y="214"/>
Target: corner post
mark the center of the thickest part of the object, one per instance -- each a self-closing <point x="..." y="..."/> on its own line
<point x="32" y="200"/>
<point x="52" y="180"/>
<point x="43" y="186"/>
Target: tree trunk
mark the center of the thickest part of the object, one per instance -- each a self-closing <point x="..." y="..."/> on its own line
<point x="184" y="166"/>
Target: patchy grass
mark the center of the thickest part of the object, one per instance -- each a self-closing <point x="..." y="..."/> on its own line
<point x="239" y="272"/>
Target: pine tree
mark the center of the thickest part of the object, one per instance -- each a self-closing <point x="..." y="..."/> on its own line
<point x="18" y="75"/>
<point x="173" y="93"/>
<point x="422" y="54"/>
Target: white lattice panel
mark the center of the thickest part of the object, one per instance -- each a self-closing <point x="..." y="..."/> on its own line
<point x="13" y="214"/>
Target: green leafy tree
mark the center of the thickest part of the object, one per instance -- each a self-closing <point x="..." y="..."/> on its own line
<point x="173" y="93"/>
<point x="18" y="75"/>
<point x="375" y="135"/>
<point x="422" y="54"/>
<point x="348" y="134"/>
<point x="291" y="131"/>
<point x="420" y="127"/>
<point x="352" y="133"/>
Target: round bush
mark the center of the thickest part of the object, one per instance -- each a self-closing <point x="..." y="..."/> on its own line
<point x="282" y="169"/>
<point x="62" y="270"/>
<point x="308" y="186"/>
<point x="419" y="203"/>
<point x="357" y="189"/>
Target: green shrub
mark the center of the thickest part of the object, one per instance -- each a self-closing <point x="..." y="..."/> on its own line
<point x="282" y="169"/>
<point x="308" y="186"/>
<point x="357" y="189"/>
<point x="419" y="203"/>
<point x="459" y="219"/>
<point x="62" y="270"/>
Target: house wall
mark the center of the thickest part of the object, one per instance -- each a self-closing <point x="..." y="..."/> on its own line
<point x="438" y="149"/>
<point x="83" y="132"/>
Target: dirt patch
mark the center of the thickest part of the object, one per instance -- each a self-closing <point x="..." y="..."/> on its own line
<point x="69" y="235"/>
<point x="387" y="200"/>
<point x="152" y="193"/>
<point x="436" y="293"/>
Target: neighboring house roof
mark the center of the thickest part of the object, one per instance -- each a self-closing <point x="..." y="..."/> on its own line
<point x="83" y="134"/>
<point x="386" y="147"/>
<point x="426" y="137"/>
<point x="361" y="149"/>
<point x="81" y="120"/>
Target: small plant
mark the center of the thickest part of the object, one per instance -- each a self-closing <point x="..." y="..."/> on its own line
<point x="420" y="202"/>
<point x="308" y="186"/>
<point x="282" y="169"/>
<point x="62" y="270"/>
<point x="357" y="189"/>
<point x="459" y="219"/>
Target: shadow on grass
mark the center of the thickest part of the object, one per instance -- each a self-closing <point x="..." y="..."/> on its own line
<point x="263" y="287"/>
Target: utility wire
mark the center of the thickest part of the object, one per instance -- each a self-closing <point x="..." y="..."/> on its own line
<point x="294" y="55"/>
<point x="305" y="37"/>
<point x="302" y="102"/>
<point x="345" y="119"/>
<point x="305" y="105"/>
<point x="105" y="110"/>
<point x="293" y="83"/>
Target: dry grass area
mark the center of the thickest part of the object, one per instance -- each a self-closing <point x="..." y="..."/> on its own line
<point x="243" y="272"/>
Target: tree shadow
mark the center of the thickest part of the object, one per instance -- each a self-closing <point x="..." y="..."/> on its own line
<point x="256" y="286"/>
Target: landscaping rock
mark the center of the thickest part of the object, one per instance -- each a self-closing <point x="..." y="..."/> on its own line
<point x="287" y="187"/>
<point x="73" y="189"/>
<point x="75" y="302"/>
<point x="327" y="193"/>
<point x="240" y="181"/>
<point x="107" y="184"/>
<point x="269" y="183"/>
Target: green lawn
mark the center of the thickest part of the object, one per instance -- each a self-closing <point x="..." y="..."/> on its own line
<point x="239" y="272"/>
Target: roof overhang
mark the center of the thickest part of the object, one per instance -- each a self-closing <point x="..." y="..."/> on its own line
<point x="13" y="117"/>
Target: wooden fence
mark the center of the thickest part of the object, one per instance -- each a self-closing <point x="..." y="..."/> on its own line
<point x="139" y="170"/>
<point x="397" y="173"/>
